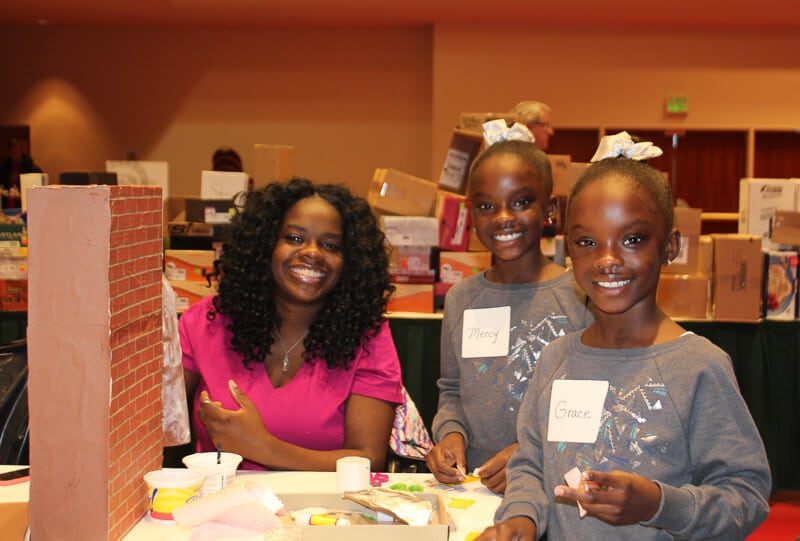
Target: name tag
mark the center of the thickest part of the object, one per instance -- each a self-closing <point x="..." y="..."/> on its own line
<point x="485" y="332"/>
<point x="575" y="410"/>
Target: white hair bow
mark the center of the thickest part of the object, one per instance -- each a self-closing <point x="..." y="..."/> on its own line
<point x="497" y="130"/>
<point x="621" y="144"/>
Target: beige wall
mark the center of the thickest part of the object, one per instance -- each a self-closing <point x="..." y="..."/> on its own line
<point x="605" y="77"/>
<point x="353" y="100"/>
<point x="349" y="101"/>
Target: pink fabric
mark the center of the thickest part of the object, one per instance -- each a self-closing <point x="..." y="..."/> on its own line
<point x="309" y="410"/>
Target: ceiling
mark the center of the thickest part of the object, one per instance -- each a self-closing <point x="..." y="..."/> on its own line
<point x="771" y="14"/>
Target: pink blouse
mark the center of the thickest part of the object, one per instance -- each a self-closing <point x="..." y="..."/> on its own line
<point x="309" y="410"/>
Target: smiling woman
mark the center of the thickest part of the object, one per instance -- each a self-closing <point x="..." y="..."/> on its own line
<point x="299" y="314"/>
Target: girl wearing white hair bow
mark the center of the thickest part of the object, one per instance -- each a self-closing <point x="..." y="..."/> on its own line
<point x="632" y="428"/>
<point x="496" y="323"/>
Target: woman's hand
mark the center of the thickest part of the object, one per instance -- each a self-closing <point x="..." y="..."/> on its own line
<point x="237" y="431"/>
<point x="615" y="497"/>
<point x="513" y="529"/>
<point x="493" y="471"/>
<point x="447" y="460"/>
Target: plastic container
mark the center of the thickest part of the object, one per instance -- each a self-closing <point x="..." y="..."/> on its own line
<point x="218" y="476"/>
<point x="170" y="488"/>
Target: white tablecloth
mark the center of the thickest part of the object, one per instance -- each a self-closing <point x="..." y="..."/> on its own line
<point x="472" y="519"/>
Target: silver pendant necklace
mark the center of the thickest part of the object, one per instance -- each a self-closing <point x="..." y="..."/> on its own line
<point x="285" y="362"/>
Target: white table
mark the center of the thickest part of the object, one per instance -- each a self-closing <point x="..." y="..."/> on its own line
<point x="475" y="518"/>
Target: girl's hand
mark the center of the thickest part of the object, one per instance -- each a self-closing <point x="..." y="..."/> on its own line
<point x="615" y="497"/>
<point x="493" y="471"/>
<point x="447" y="460"/>
<point x="513" y="529"/>
<point x="236" y="430"/>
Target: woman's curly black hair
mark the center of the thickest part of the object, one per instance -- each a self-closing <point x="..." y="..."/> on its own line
<point x="352" y="312"/>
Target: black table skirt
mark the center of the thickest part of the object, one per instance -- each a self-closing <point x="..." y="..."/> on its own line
<point x="765" y="355"/>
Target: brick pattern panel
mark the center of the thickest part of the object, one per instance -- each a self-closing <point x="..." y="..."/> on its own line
<point x="135" y="434"/>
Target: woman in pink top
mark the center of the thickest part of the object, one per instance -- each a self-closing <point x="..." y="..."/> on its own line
<point x="292" y="364"/>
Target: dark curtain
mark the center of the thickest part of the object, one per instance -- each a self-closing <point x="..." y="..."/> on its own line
<point x="580" y="144"/>
<point x="777" y="155"/>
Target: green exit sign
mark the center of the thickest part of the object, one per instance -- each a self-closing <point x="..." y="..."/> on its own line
<point x="677" y="105"/>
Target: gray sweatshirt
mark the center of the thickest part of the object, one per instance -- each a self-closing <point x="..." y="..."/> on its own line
<point x="480" y="397"/>
<point x="673" y="413"/>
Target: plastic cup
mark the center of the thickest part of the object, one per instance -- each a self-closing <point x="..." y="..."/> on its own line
<point x="218" y="476"/>
<point x="352" y="473"/>
<point x="170" y="488"/>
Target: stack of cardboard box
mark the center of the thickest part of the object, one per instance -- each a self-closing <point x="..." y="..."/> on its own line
<point x="767" y="208"/>
<point x="13" y="267"/>
<point x="426" y="226"/>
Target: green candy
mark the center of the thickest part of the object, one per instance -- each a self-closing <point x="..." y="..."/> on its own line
<point x="398" y="486"/>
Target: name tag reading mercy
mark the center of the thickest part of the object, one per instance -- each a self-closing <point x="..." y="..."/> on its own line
<point x="485" y="332"/>
<point x="575" y="409"/>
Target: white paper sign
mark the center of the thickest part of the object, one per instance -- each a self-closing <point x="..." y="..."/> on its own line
<point x="485" y="332"/>
<point x="146" y="173"/>
<point x="575" y="410"/>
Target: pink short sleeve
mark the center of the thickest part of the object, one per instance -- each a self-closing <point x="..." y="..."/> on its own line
<point x="378" y="372"/>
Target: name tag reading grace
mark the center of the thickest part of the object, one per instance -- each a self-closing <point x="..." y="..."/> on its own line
<point x="575" y="410"/>
<point x="485" y="332"/>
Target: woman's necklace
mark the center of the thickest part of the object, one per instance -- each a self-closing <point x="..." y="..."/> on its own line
<point x="285" y="364"/>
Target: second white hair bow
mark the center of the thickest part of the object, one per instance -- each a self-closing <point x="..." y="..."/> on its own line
<point x="621" y="145"/>
<point x="497" y="130"/>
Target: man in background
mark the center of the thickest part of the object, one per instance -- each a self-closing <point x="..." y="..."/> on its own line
<point x="537" y="117"/>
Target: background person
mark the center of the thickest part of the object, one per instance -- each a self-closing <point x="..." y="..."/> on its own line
<point x="538" y="117"/>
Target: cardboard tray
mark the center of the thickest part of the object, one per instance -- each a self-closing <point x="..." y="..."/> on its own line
<point x="437" y="530"/>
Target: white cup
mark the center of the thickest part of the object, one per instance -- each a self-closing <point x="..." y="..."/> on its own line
<point x="218" y="476"/>
<point x="352" y="473"/>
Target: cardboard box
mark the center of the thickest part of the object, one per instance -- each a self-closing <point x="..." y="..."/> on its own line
<point x="210" y="211"/>
<point x="786" y="228"/>
<point x="561" y="167"/>
<point x="475" y="244"/>
<point x="737" y="279"/>
<point x="222" y="184"/>
<point x="14" y="295"/>
<point x="410" y="230"/>
<point x="272" y="163"/>
<point x="455" y="266"/>
<point x="440" y="290"/>
<point x="189" y="265"/>
<point x="705" y="258"/>
<point x="453" y="213"/>
<point x="395" y="192"/>
<point x="435" y="530"/>
<point x="780" y="295"/>
<point x="683" y="295"/>
<point x="198" y="236"/>
<point x="191" y="292"/>
<point x="412" y="276"/>
<point x="464" y="147"/>
<point x="688" y="222"/>
<point x="411" y="298"/>
<point x="759" y="199"/>
<point x="12" y="234"/>
<point x="413" y="258"/>
<point x="473" y="122"/>
<point x="576" y="169"/>
<point x="13" y="263"/>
